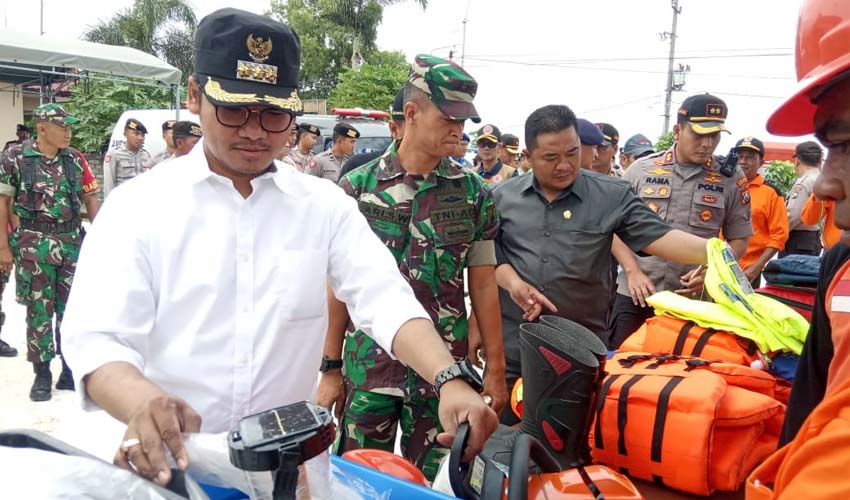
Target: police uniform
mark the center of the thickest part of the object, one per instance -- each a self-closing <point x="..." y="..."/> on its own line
<point x="299" y="159"/>
<point x="699" y="199"/>
<point x="498" y="172"/>
<point x="803" y="239"/>
<point x="120" y="164"/>
<point x="160" y="157"/>
<point x="326" y="164"/>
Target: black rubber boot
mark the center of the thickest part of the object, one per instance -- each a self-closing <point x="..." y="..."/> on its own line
<point x="6" y="350"/>
<point x="561" y="375"/>
<point x="42" y="386"/>
<point x="65" y="382"/>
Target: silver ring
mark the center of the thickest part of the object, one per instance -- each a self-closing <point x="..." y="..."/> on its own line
<point x="488" y="400"/>
<point x="129" y="443"/>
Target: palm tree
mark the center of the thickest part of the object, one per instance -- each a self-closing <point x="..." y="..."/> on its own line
<point x="358" y="16"/>
<point x="164" y="28"/>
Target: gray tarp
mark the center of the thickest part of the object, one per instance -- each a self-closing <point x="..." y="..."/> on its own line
<point x="37" y="50"/>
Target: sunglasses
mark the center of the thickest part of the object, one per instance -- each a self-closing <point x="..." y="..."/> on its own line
<point x="486" y="145"/>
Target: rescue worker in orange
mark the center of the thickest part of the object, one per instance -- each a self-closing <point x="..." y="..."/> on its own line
<point x="814" y="463"/>
<point x="769" y="217"/>
<point x="817" y="211"/>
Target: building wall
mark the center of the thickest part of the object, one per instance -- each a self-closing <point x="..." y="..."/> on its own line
<point x="11" y="110"/>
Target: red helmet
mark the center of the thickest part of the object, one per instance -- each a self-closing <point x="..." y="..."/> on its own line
<point x="822" y="53"/>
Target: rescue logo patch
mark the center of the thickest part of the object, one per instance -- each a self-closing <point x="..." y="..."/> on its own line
<point x="709" y="198"/>
<point x="705" y="215"/>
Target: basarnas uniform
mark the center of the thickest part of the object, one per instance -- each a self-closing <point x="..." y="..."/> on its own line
<point x="326" y="164"/>
<point x="435" y="226"/>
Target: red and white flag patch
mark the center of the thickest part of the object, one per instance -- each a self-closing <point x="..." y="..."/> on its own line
<point x="840" y="301"/>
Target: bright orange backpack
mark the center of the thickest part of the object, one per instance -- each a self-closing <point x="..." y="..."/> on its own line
<point x="686" y="423"/>
<point x="662" y="334"/>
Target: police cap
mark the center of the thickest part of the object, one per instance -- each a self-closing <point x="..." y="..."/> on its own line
<point x="168" y="125"/>
<point x="588" y="134"/>
<point x="751" y="143"/>
<point x="309" y="128"/>
<point x="187" y="129"/>
<point x="343" y="130"/>
<point x="705" y="112"/>
<point x="134" y="124"/>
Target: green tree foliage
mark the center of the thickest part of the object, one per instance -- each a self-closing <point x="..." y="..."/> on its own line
<point x="99" y="104"/>
<point x="164" y="28"/>
<point x="373" y="87"/>
<point x="664" y="142"/>
<point x="782" y="175"/>
<point x="328" y="30"/>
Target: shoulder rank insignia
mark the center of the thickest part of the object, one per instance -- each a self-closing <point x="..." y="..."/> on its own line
<point x="666" y="160"/>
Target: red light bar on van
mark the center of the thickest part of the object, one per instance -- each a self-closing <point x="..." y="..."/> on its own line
<point x="367" y="113"/>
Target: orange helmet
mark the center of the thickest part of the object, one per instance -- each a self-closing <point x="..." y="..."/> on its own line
<point x="388" y="463"/>
<point x="822" y="53"/>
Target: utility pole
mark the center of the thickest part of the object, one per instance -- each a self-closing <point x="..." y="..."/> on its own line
<point x="42" y="17"/>
<point x="463" y="46"/>
<point x="672" y="34"/>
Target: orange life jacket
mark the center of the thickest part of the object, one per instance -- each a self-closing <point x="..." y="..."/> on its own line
<point x="814" y="465"/>
<point x="663" y="334"/>
<point x="685" y="423"/>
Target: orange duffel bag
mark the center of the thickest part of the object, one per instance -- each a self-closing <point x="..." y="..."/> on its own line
<point x="686" y="423"/>
<point x="662" y="334"/>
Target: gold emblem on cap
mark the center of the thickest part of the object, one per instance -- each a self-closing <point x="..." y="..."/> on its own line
<point x="213" y="90"/>
<point x="258" y="48"/>
<point x="195" y="130"/>
<point x="351" y="134"/>
<point x="568" y="214"/>
<point x="132" y="125"/>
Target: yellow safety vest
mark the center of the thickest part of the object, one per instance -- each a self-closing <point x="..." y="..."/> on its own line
<point x="773" y="326"/>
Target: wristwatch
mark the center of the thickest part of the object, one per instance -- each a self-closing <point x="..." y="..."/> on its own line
<point x="460" y="369"/>
<point x="329" y="364"/>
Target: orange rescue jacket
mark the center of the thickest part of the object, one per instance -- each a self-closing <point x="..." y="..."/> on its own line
<point x="686" y="423"/>
<point x="814" y="211"/>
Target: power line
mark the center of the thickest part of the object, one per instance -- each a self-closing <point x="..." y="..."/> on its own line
<point x="554" y="62"/>
<point x="709" y="51"/>
<point x="620" y="105"/>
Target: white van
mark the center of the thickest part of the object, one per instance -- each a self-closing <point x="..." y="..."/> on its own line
<point x="153" y="120"/>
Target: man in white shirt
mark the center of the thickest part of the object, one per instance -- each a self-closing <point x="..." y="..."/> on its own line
<point x="189" y="315"/>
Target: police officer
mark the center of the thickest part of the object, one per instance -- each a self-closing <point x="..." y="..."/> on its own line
<point x="328" y="164"/>
<point x="127" y="160"/>
<point x="168" y="137"/>
<point x="46" y="180"/>
<point x="607" y="150"/>
<point x="302" y="153"/>
<point x="22" y="132"/>
<point x="492" y="169"/>
<point x="460" y="153"/>
<point x="692" y="191"/>
<point x="509" y="149"/>
<point x="186" y="135"/>
<point x="591" y="138"/>
<point x="803" y="239"/>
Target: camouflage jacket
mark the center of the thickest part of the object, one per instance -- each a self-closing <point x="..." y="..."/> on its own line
<point x="49" y="201"/>
<point x="428" y="223"/>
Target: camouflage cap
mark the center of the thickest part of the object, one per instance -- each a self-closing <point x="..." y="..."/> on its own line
<point x="53" y="113"/>
<point x="450" y="87"/>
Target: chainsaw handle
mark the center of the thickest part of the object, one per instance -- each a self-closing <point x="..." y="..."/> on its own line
<point x="457" y="470"/>
<point x="527" y="448"/>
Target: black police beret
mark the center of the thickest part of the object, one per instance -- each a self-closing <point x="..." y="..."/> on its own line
<point x="134" y="124"/>
<point x="187" y="129"/>
<point x="309" y="128"/>
<point x="344" y="130"/>
<point x="168" y="125"/>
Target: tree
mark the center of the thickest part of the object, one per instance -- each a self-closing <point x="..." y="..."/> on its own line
<point x="99" y="104"/>
<point x="782" y="175"/>
<point x="329" y="30"/>
<point x="164" y="28"/>
<point x="373" y="87"/>
<point x="664" y="142"/>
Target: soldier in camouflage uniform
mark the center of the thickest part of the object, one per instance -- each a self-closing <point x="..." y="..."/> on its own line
<point x="127" y="160"/>
<point x="46" y="181"/>
<point x="436" y="219"/>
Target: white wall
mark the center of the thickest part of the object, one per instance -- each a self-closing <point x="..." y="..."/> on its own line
<point x="11" y="110"/>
